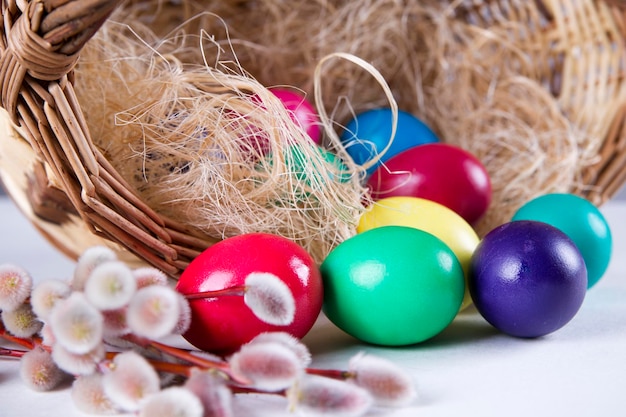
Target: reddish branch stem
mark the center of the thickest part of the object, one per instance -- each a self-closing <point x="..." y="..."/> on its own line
<point x="330" y="373"/>
<point x="172" y="368"/>
<point x="13" y="353"/>
<point x="239" y="290"/>
<point x="187" y="356"/>
<point x="193" y="359"/>
<point x="178" y="369"/>
<point x="27" y="343"/>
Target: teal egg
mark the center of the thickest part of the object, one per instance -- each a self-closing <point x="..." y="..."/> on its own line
<point x="581" y="221"/>
<point x="392" y="286"/>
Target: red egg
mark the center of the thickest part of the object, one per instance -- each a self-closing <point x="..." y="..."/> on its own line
<point x="438" y="172"/>
<point x="222" y="324"/>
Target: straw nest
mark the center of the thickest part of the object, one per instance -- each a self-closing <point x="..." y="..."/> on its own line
<point x="177" y="97"/>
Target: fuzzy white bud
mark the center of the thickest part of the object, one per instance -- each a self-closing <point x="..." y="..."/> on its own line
<point x="15" y="286"/>
<point x="46" y="294"/>
<point x="184" y="316"/>
<point x="88" y="261"/>
<point x="172" y="402"/>
<point x="269" y="366"/>
<point x="214" y="394"/>
<point x="110" y="286"/>
<point x="319" y="396"/>
<point x="269" y="298"/>
<point x="21" y="322"/>
<point x="388" y="384"/>
<point x="130" y="381"/>
<point x="72" y="363"/>
<point x="76" y="324"/>
<point x="38" y="370"/>
<point x="154" y="312"/>
<point x="89" y="396"/>
<point x="289" y="341"/>
<point x="147" y="275"/>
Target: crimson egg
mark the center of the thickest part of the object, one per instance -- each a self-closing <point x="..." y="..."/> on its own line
<point x="222" y="324"/>
<point x="439" y="172"/>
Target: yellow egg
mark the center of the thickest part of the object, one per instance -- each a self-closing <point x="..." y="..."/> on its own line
<point x="430" y="217"/>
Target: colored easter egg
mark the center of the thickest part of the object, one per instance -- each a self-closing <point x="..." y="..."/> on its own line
<point x="439" y="172"/>
<point x="430" y="217"/>
<point x="223" y="324"/>
<point x="369" y="133"/>
<point x="392" y="286"/>
<point x="302" y="112"/>
<point x="581" y="221"/>
<point x="307" y="168"/>
<point x="311" y="169"/>
<point x="527" y="278"/>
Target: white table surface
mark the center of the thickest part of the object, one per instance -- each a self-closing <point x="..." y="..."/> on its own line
<point x="467" y="370"/>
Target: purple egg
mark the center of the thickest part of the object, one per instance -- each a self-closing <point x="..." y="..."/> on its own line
<point x="527" y="278"/>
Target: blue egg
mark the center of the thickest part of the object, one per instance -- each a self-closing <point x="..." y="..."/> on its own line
<point x="369" y="133"/>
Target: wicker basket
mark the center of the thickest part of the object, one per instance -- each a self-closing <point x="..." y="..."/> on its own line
<point x="73" y="194"/>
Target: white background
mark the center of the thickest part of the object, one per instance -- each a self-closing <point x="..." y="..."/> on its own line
<point x="468" y="370"/>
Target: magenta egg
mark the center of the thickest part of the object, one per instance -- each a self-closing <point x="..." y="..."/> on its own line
<point x="302" y="111"/>
<point x="439" y="172"/>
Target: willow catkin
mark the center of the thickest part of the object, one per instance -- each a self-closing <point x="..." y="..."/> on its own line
<point x="178" y="101"/>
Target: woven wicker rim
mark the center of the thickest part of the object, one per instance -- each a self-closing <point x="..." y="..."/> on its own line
<point x="39" y="48"/>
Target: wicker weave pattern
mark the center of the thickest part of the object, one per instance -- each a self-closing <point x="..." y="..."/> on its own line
<point x="42" y="102"/>
<point x="41" y="39"/>
<point x="581" y="45"/>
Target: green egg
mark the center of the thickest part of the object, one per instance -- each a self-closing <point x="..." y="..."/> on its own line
<point x="392" y="286"/>
<point x="313" y="169"/>
<point x="581" y="221"/>
<point x="311" y="173"/>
